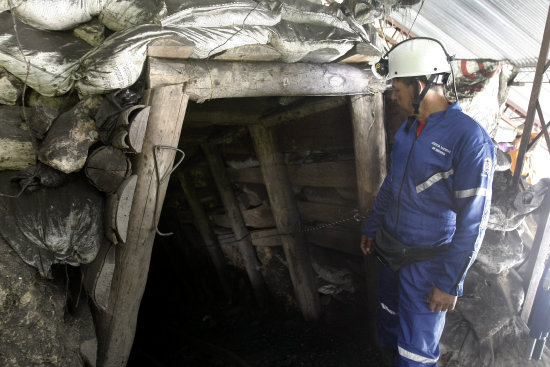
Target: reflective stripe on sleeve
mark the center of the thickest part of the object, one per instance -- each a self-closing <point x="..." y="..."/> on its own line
<point x="478" y="191"/>
<point x="433" y="179"/>
<point x="387" y="309"/>
<point x="415" y="357"/>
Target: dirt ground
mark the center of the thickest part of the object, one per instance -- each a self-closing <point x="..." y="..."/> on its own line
<point x="188" y="323"/>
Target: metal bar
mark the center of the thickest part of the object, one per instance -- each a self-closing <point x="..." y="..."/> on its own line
<point x="543" y="127"/>
<point x="535" y="91"/>
<point x="537" y="257"/>
<point x="536" y="138"/>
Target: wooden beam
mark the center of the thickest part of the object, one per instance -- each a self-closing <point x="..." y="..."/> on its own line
<point x="203" y="226"/>
<point x="258" y="217"/>
<point x="537" y="257"/>
<point x="116" y="327"/>
<point x="324" y="174"/>
<point x="218" y="79"/>
<point x="169" y="48"/>
<point x="367" y="116"/>
<point x="250" y="53"/>
<point x="241" y="111"/>
<point x="302" y="110"/>
<point x="238" y="225"/>
<point x="287" y="218"/>
<point x="323" y="212"/>
<point x="261" y="238"/>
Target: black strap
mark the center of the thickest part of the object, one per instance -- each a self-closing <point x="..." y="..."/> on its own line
<point x="419" y="97"/>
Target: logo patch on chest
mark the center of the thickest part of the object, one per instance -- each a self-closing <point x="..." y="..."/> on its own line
<point x="440" y="149"/>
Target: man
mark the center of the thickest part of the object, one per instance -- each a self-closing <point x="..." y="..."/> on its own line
<point x="433" y="205"/>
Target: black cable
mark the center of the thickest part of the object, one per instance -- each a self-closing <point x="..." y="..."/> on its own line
<point x="414" y="21"/>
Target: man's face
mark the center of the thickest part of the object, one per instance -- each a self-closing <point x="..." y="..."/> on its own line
<point x="403" y="94"/>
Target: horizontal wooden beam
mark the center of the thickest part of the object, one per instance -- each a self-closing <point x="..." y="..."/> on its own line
<point x="250" y="53"/>
<point x="341" y="241"/>
<point x="262" y="237"/>
<point x="169" y="48"/>
<point x="323" y="212"/>
<point x="218" y="79"/>
<point x="236" y="111"/>
<point x="324" y="174"/>
<point x="303" y="110"/>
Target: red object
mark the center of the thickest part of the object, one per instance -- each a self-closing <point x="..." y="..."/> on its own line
<point x="421" y="125"/>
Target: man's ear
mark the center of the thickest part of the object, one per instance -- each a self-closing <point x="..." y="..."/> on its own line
<point x="421" y="85"/>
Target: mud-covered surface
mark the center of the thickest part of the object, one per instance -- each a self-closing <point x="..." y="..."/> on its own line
<point x="189" y="323"/>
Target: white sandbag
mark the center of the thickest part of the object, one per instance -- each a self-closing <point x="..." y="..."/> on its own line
<point x="298" y="42"/>
<point x="210" y="41"/>
<point x="57" y="15"/>
<point x="53" y="56"/>
<point x="118" y="62"/>
<point x="6" y="5"/>
<point x="221" y="13"/>
<point x="299" y="11"/>
<point x="120" y="14"/>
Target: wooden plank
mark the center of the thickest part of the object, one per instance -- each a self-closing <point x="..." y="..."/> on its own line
<point x="324" y="174"/>
<point x="329" y="130"/>
<point x="203" y="226"/>
<point x="218" y="79"/>
<point x="537" y="257"/>
<point x="242" y="111"/>
<point x="238" y="225"/>
<point x="125" y="195"/>
<point x="261" y="237"/>
<point x="259" y="217"/>
<point x="168" y="48"/>
<point x="116" y="327"/>
<point x="367" y="116"/>
<point x="324" y="212"/>
<point x="293" y="112"/>
<point x="250" y="53"/>
<point x="287" y="218"/>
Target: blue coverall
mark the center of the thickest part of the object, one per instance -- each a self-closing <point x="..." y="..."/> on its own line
<point x="438" y="191"/>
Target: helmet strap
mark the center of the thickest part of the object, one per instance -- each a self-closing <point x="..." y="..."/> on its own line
<point x="419" y="97"/>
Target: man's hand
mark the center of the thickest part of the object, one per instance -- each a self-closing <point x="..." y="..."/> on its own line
<point x="441" y="301"/>
<point x="367" y="245"/>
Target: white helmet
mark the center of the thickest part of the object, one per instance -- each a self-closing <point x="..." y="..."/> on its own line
<point x="418" y="56"/>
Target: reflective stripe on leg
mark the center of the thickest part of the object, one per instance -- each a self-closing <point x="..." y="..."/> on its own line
<point x="387" y="309"/>
<point x="415" y="357"/>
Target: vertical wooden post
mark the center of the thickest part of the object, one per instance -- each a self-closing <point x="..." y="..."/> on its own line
<point x="203" y="226"/>
<point x="367" y="116"/>
<point x="116" y="327"/>
<point x="242" y="234"/>
<point x="537" y="257"/>
<point x="287" y="219"/>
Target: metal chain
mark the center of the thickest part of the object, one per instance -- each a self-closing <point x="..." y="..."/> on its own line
<point x="356" y="216"/>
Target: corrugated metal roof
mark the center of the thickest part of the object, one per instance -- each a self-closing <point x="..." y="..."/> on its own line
<point x="492" y="29"/>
